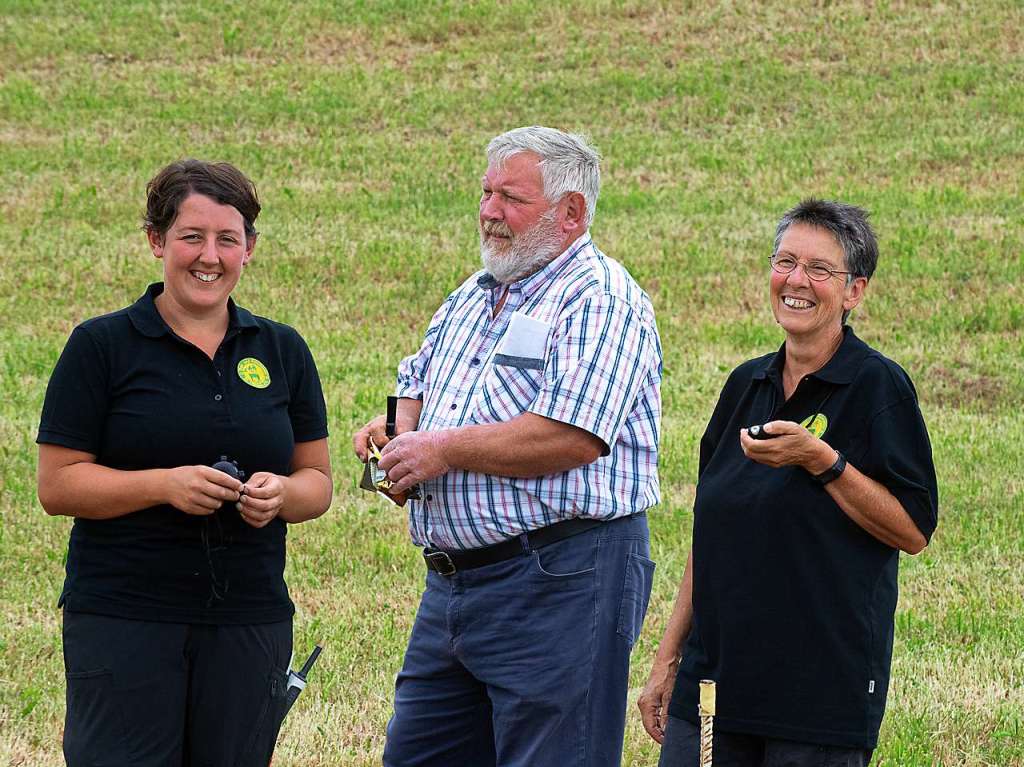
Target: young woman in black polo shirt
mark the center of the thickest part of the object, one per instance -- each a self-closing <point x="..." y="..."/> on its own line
<point x="788" y="596"/>
<point x="177" y="620"/>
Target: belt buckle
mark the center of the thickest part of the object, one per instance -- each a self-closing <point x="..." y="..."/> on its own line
<point x="441" y="562"/>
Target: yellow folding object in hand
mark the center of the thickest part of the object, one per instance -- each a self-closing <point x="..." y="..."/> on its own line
<point x="378" y="476"/>
<point x="375" y="479"/>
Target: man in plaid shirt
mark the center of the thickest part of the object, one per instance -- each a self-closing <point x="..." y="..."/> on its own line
<point x="529" y="420"/>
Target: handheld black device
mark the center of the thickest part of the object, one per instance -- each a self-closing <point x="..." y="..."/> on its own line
<point x="391" y="417"/>
<point x="230" y="468"/>
<point x="757" y="432"/>
<point x="218" y="588"/>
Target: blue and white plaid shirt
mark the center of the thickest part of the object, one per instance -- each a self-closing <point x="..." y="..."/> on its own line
<point x="586" y="353"/>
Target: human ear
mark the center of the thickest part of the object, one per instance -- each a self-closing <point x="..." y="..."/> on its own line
<point x="156" y="242"/>
<point x="250" y="246"/>
<point x="855" y="293"/>
<point x="575" y="211"/>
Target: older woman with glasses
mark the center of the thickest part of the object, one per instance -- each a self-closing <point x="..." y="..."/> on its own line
<point x="815" y="472"/>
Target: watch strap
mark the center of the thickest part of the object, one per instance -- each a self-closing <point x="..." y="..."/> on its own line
<point x="833" y="471"/>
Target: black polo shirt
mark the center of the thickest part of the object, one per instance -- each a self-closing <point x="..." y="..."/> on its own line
<point x="130" y="391"/>
<point x="793" y="601"/>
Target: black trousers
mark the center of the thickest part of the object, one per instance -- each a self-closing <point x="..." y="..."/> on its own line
<point x="144" y="694"/>
<point x="682" y="749"/>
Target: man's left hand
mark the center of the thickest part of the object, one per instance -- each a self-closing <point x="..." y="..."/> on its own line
<point x="414" y="457"/>
<point x="262" y="498"/>
<point x="793" y="446"/>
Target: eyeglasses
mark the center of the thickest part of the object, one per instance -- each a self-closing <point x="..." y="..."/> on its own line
<point x="817" y="271"/>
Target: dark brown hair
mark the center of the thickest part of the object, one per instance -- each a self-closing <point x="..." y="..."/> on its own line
<point x="219" y="181"/>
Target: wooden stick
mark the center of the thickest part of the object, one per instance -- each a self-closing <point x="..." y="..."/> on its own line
<point x="706" y="709"/>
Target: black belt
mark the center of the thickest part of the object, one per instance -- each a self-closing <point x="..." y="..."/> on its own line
<point x="450" y="562"/>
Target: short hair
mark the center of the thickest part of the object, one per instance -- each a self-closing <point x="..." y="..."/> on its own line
<point x="568" y="161"/>
<point x="219" y="181"/>
<point x="848" y="224"/>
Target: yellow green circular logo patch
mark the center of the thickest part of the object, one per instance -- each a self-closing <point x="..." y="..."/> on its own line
<point x="254" y="373"/>
<point x="815" y="424"/>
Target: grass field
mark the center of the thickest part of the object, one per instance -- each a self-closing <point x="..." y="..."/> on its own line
<point x="363" y="124"/>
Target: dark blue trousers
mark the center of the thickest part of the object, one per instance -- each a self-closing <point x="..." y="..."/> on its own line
<point x="525" y="663"/>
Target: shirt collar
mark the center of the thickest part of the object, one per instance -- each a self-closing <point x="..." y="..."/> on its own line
<point x="840" y="369"/>
<point x="771" y="366"/>
<point x="147" y="320"/>
<point x="531" y="283"/>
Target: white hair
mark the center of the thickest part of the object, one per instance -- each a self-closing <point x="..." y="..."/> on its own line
<point x="568" y="162"/>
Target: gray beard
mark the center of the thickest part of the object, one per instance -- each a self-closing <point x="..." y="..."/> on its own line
<point x="524" y="255"/>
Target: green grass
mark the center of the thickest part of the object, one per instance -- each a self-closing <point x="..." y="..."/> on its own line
<point x="363" y="124"/>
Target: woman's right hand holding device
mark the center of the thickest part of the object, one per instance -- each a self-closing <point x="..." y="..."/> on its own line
<point x="200" y="490"/>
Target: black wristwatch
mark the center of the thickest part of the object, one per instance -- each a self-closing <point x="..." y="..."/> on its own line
<point x="834" y="471"/>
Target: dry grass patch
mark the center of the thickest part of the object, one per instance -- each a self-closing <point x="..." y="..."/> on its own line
<point x="962" y="389"/>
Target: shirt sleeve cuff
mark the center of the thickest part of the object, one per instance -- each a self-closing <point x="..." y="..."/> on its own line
<point x="916" y="502"/>
<point x="409" y="389"/>
<point x="312" y="433"/>
<point x="548" y="410"/>
<point x="64" y="439"/>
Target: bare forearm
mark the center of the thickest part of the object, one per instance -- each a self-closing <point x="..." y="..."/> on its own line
<point x="91" y="491"/>
<point x="867" y="502"/>
<point x="876" y="510"/>
<point x="654" y="699"/>
<point x="407" y="416"/>
<point x="526" y="446"/>
<point x="670" y="649"/>
<point x="308" y="495"/>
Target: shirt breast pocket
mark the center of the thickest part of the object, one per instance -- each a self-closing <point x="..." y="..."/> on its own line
<point x="510" y="387"/>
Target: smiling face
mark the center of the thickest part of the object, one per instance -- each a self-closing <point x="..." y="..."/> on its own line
<point x="203" y="251"/>
<point x="805" y="308"/>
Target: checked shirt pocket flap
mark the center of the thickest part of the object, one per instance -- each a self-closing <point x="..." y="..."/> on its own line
<point x="524" y="343"/>
<point x="636" y="593"/>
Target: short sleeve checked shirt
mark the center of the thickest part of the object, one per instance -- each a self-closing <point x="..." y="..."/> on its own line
<point x="595" y="364"/>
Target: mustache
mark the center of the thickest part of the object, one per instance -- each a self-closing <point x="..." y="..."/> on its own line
<point x="499" y="228"/>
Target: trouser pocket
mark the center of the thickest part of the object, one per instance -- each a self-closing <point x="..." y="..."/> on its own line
<point x="268" y="723"/>
<point x="636" y="593"/>
<point x="94" y="728"/>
